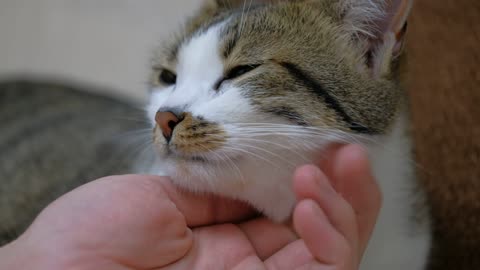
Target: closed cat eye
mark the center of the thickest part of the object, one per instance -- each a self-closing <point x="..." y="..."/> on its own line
<point x="235" y="73"/>
<point x="239" y="71"/>
<point x="167" y="77"/>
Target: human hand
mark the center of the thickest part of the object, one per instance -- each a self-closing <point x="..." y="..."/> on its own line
<point x="143" y="222"/>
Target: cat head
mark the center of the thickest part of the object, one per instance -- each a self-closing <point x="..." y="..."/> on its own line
<point x="259" y="86"/>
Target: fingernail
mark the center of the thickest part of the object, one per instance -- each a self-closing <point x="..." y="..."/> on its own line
<point x="356" y="152"/>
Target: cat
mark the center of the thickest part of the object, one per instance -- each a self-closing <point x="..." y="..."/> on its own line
<point x="252" y="89"/>
<point x="54" y="138"/>
<point x="248" y="91"/>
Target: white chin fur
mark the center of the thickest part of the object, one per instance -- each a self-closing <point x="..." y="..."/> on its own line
<point x="265" y="184"/>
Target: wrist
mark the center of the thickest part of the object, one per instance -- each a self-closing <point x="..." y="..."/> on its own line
<point x="19" y="255"/>
<point x="13" y="257"/>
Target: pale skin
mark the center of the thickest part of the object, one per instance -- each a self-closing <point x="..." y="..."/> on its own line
<point x="144" y="222"/>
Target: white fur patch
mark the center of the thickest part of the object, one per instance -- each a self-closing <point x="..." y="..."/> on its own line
<point x="398" y="242"/>
<point x="199" y="68"/>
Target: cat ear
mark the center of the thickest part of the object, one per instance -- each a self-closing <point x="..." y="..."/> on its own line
<point x="380" y="26"/>
<point x="233" y="4"/>
<point x="212" y="8"/>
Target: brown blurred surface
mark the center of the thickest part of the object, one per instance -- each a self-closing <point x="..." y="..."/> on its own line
<point x="444" y="85"/>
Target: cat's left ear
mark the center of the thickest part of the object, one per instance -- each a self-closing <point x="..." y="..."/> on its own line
<point x="212" y="8"/>
<point x="234" y="4"/>
<point x="381" y="26"/>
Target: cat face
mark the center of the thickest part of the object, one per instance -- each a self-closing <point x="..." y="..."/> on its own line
<point x="260" y="89"/>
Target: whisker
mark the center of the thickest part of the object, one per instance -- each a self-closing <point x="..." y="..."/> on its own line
<point x="266" y="151"/>
<point x="132" y="119"/>
<point x="303" y="133"/>
<point x="242" y="18"/>
<point x="134" y="135"/>
<point x="232" y="165"/>
<point x="252" y="154"/>
<point x="276" y="144"/>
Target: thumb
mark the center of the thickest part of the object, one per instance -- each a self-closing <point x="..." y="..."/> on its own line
<point x="127" y="219"/>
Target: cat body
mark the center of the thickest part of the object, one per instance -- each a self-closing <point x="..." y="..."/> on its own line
<point x="55" y="138"/>
<point x="252" y="91"/>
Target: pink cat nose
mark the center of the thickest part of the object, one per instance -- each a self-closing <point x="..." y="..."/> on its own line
<point x="167" y="121"/>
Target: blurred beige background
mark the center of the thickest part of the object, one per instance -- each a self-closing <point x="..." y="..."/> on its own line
<point x="107" y="43"/>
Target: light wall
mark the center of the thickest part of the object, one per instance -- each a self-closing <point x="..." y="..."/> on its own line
<point x="101" y="42"/>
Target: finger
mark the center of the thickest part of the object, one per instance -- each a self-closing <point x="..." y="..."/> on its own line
<point x="326" y="159"/>
<point x="128" y="219"/>
<point x="205" y="209"/>
<point x="326" y="244"/>
<point x="267" y="237"/>
<point x="358" y="186"/>
<point x="311" y="183"/>
<point x="322" y="247"/>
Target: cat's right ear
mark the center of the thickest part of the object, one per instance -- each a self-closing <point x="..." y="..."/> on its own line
<point x="378" y="27"/>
